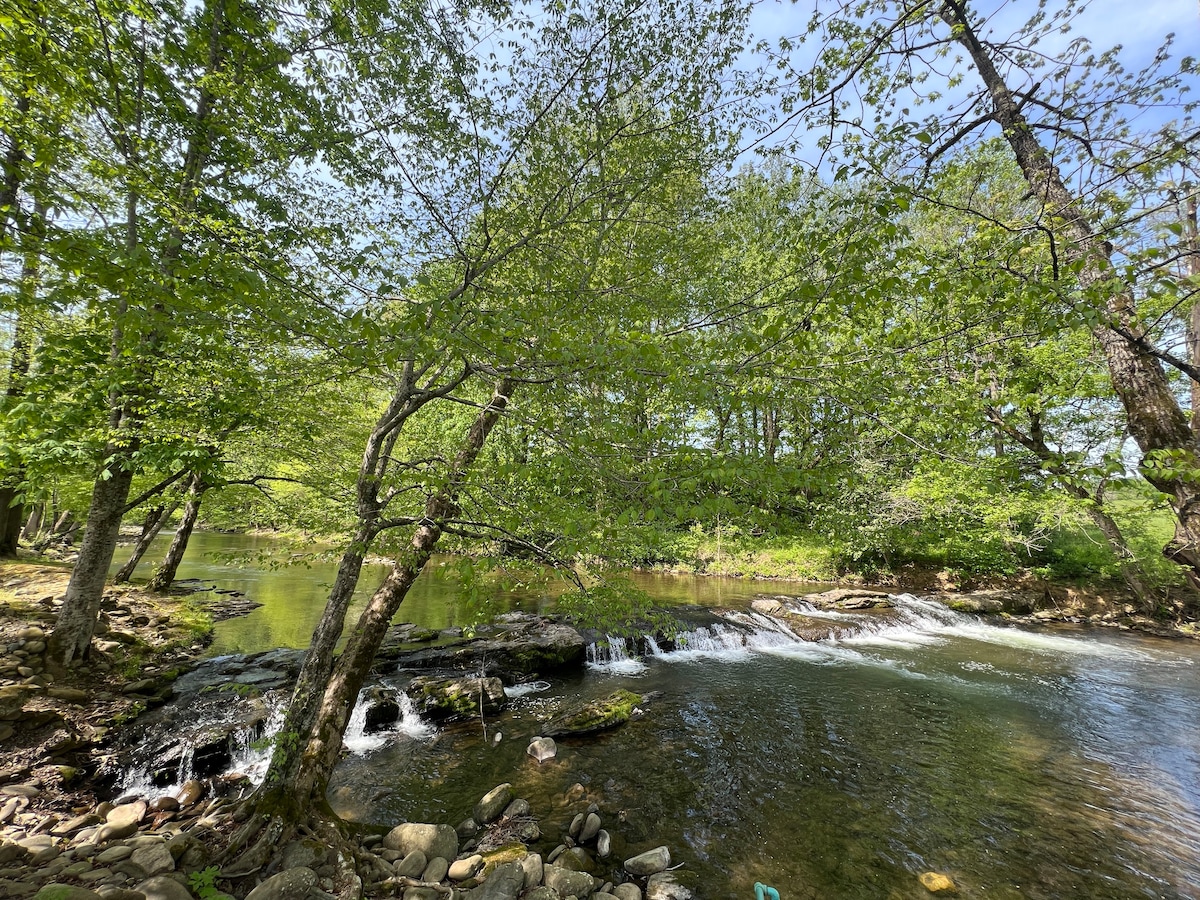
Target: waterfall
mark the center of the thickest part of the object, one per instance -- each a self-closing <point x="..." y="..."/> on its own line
<point x="613" y="655"/>
<point x="409" y="723"/>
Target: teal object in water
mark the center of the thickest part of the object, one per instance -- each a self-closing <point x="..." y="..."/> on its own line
<point x="763" y="892"/>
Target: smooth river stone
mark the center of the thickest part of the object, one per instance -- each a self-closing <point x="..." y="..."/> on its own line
<point x="649" y="863"/>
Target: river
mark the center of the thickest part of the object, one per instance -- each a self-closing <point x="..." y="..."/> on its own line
<point x="1054" y="763"/>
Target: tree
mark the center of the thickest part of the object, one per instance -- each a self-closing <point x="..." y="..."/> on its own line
<point x="531" y="261"/>
<point x="1058" y="113"/>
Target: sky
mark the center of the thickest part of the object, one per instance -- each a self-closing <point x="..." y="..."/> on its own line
<point x="1139" y="26"/>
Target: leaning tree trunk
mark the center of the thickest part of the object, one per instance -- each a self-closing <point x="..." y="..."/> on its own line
<point x="34" y="524"/>
<point x="72" y="635"/>
<point x="1156" y="422"/>
<point x="191" y="512"/>
<point x="295" y="785"/>
<point x="156" y="518"/>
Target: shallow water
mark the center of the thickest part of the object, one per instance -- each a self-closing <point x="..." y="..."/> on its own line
<point x="1054" y="763"/>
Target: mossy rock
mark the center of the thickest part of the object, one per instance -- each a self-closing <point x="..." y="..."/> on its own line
<point x="456" y="698"/>
<point x="595" y="715"/>
<point x="505" y="854"/>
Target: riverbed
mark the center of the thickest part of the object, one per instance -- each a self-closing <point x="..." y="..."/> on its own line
<point x="1053" y="763"/>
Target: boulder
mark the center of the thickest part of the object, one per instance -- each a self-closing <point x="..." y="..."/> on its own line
<point x="412" y="865"/>
<point x="649" y="863"/>
<point x="534" y="869"/>
<point x="432" y="840"/>
<point x="591" y="828"/>
<point x="519" y="644"/>
<point x="154" y="859"/>
<point x="628" y="891"/>
<point x="542" y="749"/>
<point x="517" y="808"/>
<point x="849" y="598"/>
<point x="436" y="871"/>
<point x="65" y="892"/>
<point x="456" y="698"/>
<point x="568" y="883"/>
<point x="462" y="869"/>
<point x="163" y="887"/>
<point x="595" y="715"/>
<point x="665" y="886"/>
<point x="122" y="821"/>
<point x="290" y="884"/>
<point x="493" y="803"/>
<point x="306" y="853"/>
<point x="505" y="883"/>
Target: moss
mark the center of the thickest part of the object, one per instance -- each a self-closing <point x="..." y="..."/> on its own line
<point x="597" y="715"/>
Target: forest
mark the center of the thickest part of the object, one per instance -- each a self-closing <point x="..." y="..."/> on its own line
<point x="906" y="290"/>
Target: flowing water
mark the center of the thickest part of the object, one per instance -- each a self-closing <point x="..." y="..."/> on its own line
<point x="1053" y="763"/>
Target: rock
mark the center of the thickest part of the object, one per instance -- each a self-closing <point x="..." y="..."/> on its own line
<point x="542" y="893"/>
<point x="153" y="860"/>
<point x="114" y="854"/>
<point x="422" y="893"/>
<point x="70" y="695"/>
<point x="768" y="606"/>
<point x="163" y="887"/>
<point x="525" y="645"/>
<point x="122" y="821"/>
<point x="849" y="598"/>
<point x="664" y="886"/>
<point x="190" y="792"/>
<point x="291" y="884"/>
<point x="542" y="749"/>
<point x="41" y="849"/>
<point x="937" y="883"/>
<point x="577" y="860"/>
<point x="628" y="891"/>
<point x="493" y="803"/>
<point x="6" y="731"/>
<point x="604" y="895"/>
<point x="569" y="883"/>
<point x="456" y="698"/>
<point x="462" y="869"/>
<point x="65" y="892"/>
<point x="576" y="825"/>
<point x="595" y="715"/>
<point x="305" y="853"/>
<point x="432" y="840"/>
<point x="603" y="844"/>
<point x="505" y="883"/>
<point x="436" y="871"/>
<point x="649" y="863"/>
<point x="381" y="713"/>
<point x="164" y="804"/>
<point x="516" y="808"/>
<point x="591" y="828"/>
<point x="20" y="790"/>
<point x="467" y="828"/>
<point x="412" y="865"/>
<point x="534" y="869"/>
<point x="76" y="823"/>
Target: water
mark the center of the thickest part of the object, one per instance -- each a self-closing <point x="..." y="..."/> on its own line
<point x="1051" y="763"/>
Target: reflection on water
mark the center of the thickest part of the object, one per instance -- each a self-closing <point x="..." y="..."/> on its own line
<point x="1048" y="764"/>
<point x="293" y="596"/>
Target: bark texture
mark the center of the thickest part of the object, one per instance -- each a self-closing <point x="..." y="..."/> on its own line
<point x="1157" y="423"/>
<point x="72" y="635"/>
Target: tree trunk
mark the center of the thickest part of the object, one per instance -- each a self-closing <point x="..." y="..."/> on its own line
<point x="72" y="634"/>
<point x="1125" y="558"/>
<point x="301" y="766"/>
<point x="1156" y="422"/>
<point x="156" y="518"/>
<point x="34" y="524"/>
<point x="191" y="512"/>
<point x="1191" y="268"/>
